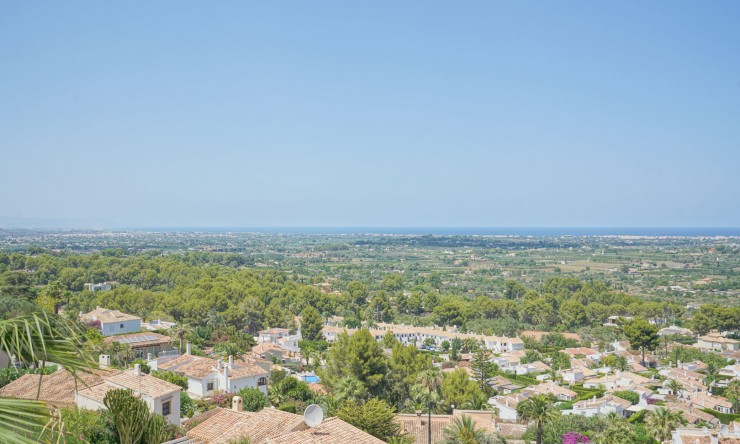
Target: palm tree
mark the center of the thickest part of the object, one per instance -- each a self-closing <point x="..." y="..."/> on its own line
<point x="34" y="340"/>
<point x="179" y="331"/>
<point x="540" y="409"/>
<point x="477" y="402"/>
<point x="621" y="364"/>
<point x="226" y="349"/>
<point x="464" y="431"/>
<point x="661" y="422"/>
<point x="427" y="391"/>
<point x="674" y="386"/>
<point x="215" y="319"/>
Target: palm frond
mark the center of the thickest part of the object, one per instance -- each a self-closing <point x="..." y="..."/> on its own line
<point x="22" y="421"/>
<point x="38" y="338"/>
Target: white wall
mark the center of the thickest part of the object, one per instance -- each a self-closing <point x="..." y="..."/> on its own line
<point x="114" y="328"/>
<point x="87" y="403"/>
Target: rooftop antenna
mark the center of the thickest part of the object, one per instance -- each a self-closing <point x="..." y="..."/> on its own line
<point x="313" y="415"/>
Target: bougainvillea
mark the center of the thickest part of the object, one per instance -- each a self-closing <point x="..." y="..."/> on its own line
<point x="574" y="438"/>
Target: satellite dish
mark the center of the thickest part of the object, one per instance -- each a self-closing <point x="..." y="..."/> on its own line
<point x="313" y="415"/>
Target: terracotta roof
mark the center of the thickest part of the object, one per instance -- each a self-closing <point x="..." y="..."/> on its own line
<point x="190" y="365"/>
<point x="217" y="424"/>
<point x="139" y="340"/>
<point x="144" y="384"/>
<point x="199" y="367"/>
<point x="265" y="347"/>
<point x="107" y="316"/>
<point x="57" y="388"/>
<point x="416" y="426"/>
<point x="331" y="431"/>
<point x="95" y="393"/>
<point x="267" y="423"/>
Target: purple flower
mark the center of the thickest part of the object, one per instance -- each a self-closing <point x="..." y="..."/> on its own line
<point x="574" y="438"/>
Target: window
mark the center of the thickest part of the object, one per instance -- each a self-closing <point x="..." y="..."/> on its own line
<point x="120" y="326"/>
<point x="166" y="408"/>
<point x="262" y="381"/>
<point x="209" y="386"/>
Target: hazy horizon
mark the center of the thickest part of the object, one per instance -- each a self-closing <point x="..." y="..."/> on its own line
<point x="384" y="114"/>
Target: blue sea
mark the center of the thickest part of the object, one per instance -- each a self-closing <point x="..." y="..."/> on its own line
<point x="472" y="231"/>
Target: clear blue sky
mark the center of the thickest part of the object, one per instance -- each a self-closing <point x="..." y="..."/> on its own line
<point x="397" y="113"/>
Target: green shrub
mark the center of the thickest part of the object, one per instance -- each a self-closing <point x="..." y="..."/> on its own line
<point x="724" y="418"/>
<point x="628" y="395"/>
<point x="174" y="378"/>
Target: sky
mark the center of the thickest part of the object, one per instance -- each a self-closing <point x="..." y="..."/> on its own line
<point x="383" y="113"/>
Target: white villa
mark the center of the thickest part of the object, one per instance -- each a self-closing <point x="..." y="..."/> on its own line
<point x="207" y="375"/>
<point x="113" y="322"/>
<point x="162" y="397"/>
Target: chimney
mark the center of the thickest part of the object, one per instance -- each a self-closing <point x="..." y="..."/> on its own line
<point x="226" y="375"/>
<point x="188" y="348"/>
<point x="218" y="364"/>
<point x="137" y="369"/>
<point x="149" y="356"/>
<point x="231" y="361"/>
<point x="236" y="404"/>
<point x="104" y="361"/>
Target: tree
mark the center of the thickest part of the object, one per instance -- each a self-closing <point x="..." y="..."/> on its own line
<point x="674" y="386"/>
<point x="17" y="284"/>
<point x="252" y="310"/>
<point x="359" y="355"/>
<point x="642" y="335"/>
<point x="572" y="314"/>
<point x="661" y="422"/>
<point x="483" y="368"/>
<point x="253" y="400"/>
<point x="540" y="409"/>
<point x="732" y="393"/>
<point x="375" y="417"/>
<point x="427" y="392"/>
<point x="464" y="431"/>
<point x="311" y="325"/>
<point x="130" y="415"/>
<point x="34" y="340"/>
<point x="179" y="331"/>
<point x="349" y="389"/>
<point x="404" y="365"/>
<point x="513" y="289"/>
<point x="701" y="324"/>
<point x="171" y="377"/>
<point x="457" y="388"/>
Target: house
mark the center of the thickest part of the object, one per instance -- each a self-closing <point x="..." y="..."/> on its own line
<point x="158" y="324"/>
<point x="690" y="413"/>
<point x="273" y="334"/>
<point x="723" y="435"/>
<point x="112" y="322"/>
<point x="102" y="286"/>
<point x="207" y="375"/>
<point x="613" y="321"/>
<point x="143" y="344"/>
<point x="733" y="371"/>
<point x="57" y="389"/>
<point x="416" y="426"/>
<point x="716" y="342"/>
<point x="417" y="335"/>
<point x="503" y="385"/>
<point x="270" y="426"/>
<point x="599" y="406"/>
<point x="270" y="351"/>
<point x="532" y="368"/>
<point x="162" y="397"/>
<point x="537" y="334"/>
<point x="674" y="330"/>
<point x="506" y="405"/>
<point x="707" y="401"/>
<point x="577" y="352"/>
<point x="551" y="388"/>
<point x="620" y="380"/>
